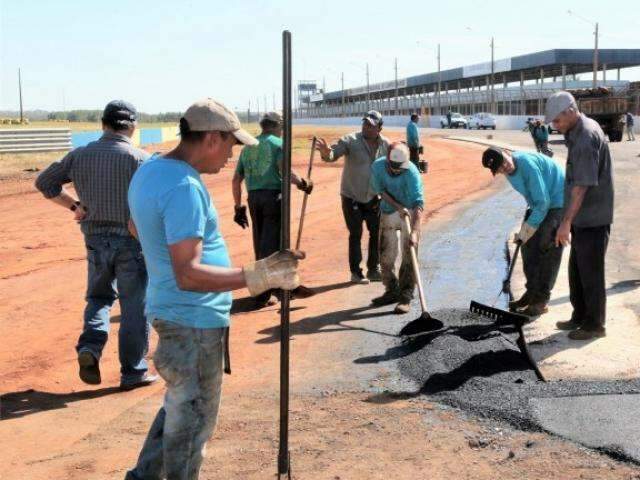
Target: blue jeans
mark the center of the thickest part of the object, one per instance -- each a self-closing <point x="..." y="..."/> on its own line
<point x="190" y="361"/>
<point x="116" y="270"/>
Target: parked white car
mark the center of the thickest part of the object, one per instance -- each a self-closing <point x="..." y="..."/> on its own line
<point x="457" y="121"/>
<point x="482" y="121"/>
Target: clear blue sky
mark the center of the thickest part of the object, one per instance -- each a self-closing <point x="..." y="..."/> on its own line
<point x="161" y="55"/>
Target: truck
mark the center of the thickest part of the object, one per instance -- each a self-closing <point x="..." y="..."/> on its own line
<point x="606" y="107"/>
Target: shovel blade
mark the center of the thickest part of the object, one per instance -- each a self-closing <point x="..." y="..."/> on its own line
<point x="424" y="323"/>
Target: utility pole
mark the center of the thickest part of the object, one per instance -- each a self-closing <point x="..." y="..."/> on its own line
<point x="274" y="102"/>
<point x="395" y="112"/>
<point x="258" y="107"/>
<point x="342" y="90"/>
<point x="439" y="83"/>
<point x="595" y="59"/>
<point x="249" y="112"/>
<point x="20" y="95"/>
<point x="265" y="104"/>
<point x="367" y="86"/>
<point x="493" y="100"/>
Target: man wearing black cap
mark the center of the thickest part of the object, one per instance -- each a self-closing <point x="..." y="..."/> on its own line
<point x="541" y="182"/>
<point x="101" y="172"/>
<point x="359" y="202"/>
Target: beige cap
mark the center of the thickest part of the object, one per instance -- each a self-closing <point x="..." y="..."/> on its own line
<point x="209" y="115"/>
<point x="273" y="117"/>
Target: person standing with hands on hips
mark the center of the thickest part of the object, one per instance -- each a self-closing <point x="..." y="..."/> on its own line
<point x="359" y="202"/>
<point x="586" y="224"/>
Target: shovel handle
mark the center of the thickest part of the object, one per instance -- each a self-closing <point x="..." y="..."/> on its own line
<point x="306" y="195"/>
<point x="416" y="269"/>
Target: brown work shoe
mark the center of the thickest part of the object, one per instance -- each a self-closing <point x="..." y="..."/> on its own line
<point x="523" y="301"/>
<point x="89" y="368"/>
<point x="584" y="334"/>
<point x="534" y="310"/>
<point x="568" y="325"/>
<point x="402" y="307"/>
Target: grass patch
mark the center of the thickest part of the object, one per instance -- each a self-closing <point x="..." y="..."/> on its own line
<point x="78" y="126"/>
<point x="12" y="164"/>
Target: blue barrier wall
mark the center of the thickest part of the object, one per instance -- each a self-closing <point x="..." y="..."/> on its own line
<point x="80" y="139"/>
<point x="150" y="135"/>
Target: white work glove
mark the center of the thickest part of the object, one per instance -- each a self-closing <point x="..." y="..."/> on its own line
<point x="525" y="233"/>
<point x="276" y="271"/>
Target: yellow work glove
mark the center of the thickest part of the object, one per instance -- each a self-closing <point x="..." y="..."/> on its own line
<point x="276" y="271"/>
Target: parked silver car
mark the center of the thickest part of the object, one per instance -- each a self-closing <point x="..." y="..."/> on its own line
<point x="482" y="121"/>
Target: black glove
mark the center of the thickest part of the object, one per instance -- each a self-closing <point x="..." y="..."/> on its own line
<point x="241" y="216"/>
<point x="306" y="186"/>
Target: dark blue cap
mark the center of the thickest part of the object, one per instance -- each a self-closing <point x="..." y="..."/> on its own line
<point x="119" y="112"/>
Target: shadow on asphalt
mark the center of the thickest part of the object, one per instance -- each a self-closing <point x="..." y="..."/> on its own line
<point x="28" y="402"/>
<point x="323" y="324"/>
<point x="615" y="289"/>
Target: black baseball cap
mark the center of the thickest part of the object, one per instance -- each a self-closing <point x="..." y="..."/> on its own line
<point x="492" y="158"/>
<point x="119" y="112"/>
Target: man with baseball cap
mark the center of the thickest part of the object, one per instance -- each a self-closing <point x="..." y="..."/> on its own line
<point x="101" y="172"/>
<point x="359" y="202"/>
<point x="588" y="202"/>
<point x="540" y="181"/>
<point x="260" y="167"/>
<point x="397" y="180"/>
<point x="190" y="280"/>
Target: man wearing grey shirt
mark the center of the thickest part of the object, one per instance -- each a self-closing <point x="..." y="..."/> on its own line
<point x="359" y="202"/>
<point x="588" y="200"/>
<point x="101" y="172"/>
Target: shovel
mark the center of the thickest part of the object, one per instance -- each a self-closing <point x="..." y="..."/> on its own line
<point x="425" y="322"/>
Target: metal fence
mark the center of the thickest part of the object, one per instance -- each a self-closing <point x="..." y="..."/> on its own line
<point x="34" y="140"/>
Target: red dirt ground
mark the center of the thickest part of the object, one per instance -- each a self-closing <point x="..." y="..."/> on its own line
<point x="68" y="430"/>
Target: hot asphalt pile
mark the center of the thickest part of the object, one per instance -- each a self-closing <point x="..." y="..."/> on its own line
<point x="476" y="365"/>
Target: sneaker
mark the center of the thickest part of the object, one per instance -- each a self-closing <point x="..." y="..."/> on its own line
<point x="358" y="278"/>
<point x="568" y="325"/>
<point x="374" y="275"/>
<point x="387" y="298"/>
<point x="89" y="368"/>
<point x="402" y="307"/>
<point x="146" y="380"/>
<point x="523" y="301"/>
<point x="584" y="334"/>
<point x="535" y="310"/>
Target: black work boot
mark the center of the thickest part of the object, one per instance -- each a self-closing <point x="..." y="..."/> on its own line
<point x="387" y="298"/>
<point x="523" y="301"/>
<point x="568" y="325"/>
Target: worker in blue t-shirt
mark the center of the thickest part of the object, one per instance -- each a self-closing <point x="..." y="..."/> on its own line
<point x="190" y="280"/>
<point x="399" y="183"/>
<point x="540" y="181"/>
<point x="413" y="140"/>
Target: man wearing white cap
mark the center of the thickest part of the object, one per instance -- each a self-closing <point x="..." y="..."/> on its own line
<point x="396" y="179"/>
<point x="259" y="166"/>
<point x="190" y="280"/>
<point x="588" y="201"/>
<point x="359" y="202"/>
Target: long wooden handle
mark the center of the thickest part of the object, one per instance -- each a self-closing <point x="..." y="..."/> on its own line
<point x="416" y="269"/>
<point x="306" y="195"/>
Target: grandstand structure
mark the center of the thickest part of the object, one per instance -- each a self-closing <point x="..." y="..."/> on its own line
<point x="510" y="86"/>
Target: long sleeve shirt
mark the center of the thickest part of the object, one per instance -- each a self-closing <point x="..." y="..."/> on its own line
<point x="100" y="172"/>
<point x="413" y="135"/>
<point x="406" y="188"/>
<point x="540" y="181"/>
<point x="359" y="157"/>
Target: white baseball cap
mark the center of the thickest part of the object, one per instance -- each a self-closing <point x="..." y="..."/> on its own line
<point x="399" y="154"/>
<point x="209" y="115"/>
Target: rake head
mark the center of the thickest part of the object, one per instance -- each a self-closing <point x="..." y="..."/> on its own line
<point x="501" y="317"/>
